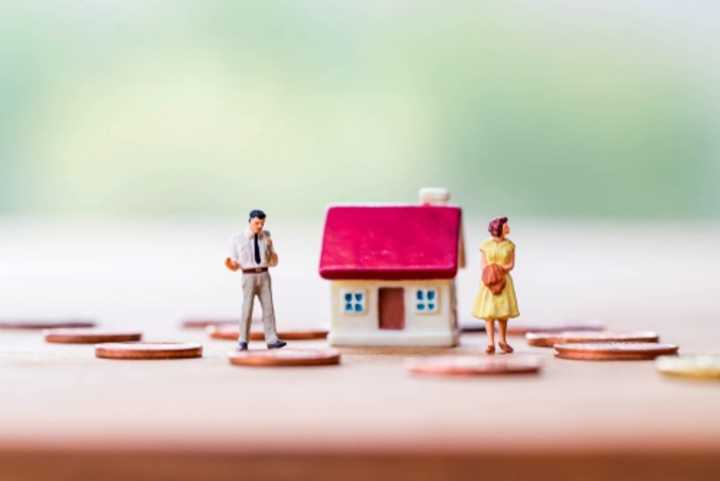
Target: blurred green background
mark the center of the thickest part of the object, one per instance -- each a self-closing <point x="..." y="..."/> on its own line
<point x="191" y="109"/>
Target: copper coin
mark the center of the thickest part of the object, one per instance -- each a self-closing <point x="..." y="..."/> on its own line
<point x="90" y="336"/>
<point x="285" y="357"/>
<point x="204" y="323"/>
<point x="47" y="324"/>
<point x="474" y="365"/>
<point x="521" y="328"/>
<point x="472" y="326"/>
<point x="304" y="335"/>
<point x="697" y="366"/>
<point x="614" y="351"/>
<point x="232" y="333"/>
<point x="548" y="339"/>
<point x="148" y="350"/>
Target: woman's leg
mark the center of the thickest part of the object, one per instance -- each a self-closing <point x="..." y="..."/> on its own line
<point x="503" y="336"/>
<point x="490" y="330"/>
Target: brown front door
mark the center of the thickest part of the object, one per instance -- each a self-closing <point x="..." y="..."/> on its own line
<point x="391" y="307"/>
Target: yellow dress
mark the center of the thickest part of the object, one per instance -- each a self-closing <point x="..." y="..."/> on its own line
<point x="504" y="305"/>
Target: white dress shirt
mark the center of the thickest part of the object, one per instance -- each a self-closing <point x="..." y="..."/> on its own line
<point x="242" y="250"/>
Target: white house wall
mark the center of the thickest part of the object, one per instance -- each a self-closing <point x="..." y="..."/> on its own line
<point x="435" y="329"/>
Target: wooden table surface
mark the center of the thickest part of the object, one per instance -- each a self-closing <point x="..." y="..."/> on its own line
<point x="64" y="413"/>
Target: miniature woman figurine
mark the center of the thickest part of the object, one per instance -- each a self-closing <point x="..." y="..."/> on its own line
<point x="496" y="300"/>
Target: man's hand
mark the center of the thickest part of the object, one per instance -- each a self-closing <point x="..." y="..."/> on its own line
<point x="232" y="265"/>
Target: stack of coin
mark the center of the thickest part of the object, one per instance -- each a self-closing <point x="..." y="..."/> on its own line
<point x="549" y="339"/>
<point x="698" y="366"/>
<point x="90" y="336"/>
<point x="232" y="333"/>
<point x="285" y="358"/>
<point x="474" y="365"/>
<point x="148" y="350"/>
<point x="614" y="351"/>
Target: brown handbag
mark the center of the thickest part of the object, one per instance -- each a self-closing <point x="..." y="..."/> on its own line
<point x="493" y="277"/>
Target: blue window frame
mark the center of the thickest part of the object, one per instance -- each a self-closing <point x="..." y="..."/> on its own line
<point x="353" y="301"/>
<point x="427" y="300"/>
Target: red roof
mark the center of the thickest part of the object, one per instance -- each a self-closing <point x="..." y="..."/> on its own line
<point x="391" y="242"/>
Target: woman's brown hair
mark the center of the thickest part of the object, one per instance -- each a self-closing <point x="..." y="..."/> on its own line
<point x="496" y="226"/>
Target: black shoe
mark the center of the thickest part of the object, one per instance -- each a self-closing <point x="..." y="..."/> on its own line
<point x="277" y="344"/>
<point x="242" y="346"/>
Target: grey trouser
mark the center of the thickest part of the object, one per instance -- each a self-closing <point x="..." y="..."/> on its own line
<point x="258" y="285"/>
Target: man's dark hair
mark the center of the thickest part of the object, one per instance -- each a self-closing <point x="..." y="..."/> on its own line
<point x="256" y="213"/>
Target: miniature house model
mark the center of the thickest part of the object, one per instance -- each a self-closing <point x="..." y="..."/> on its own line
<point x="392" y="270"/>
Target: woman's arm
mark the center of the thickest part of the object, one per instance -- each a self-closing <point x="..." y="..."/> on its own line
<point x="510" y="265"/>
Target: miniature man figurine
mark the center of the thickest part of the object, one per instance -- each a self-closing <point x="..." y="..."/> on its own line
<point x="253" y="253"/>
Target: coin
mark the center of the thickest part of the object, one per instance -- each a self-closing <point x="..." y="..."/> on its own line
<point x="204" y="323"/>
<point x="520" y="328"/>
<point x="614" y="351"/>
<point x="90" y="336"/>
<point x="232" y="333"/>
<point x="148" y="350"/>
<point x="472" y="326"/>
<point x="285" y="357"/>
<point x="474" y="365"/>
<point x="698" y="366"/>
<point x="549" y="339"/>
<point x="303" y="335"/>
<point x="45" y="324"/>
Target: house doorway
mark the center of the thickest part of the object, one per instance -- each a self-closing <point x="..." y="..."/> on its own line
<point x="391" y="308"/>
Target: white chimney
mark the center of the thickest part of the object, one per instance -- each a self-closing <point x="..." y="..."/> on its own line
<point x="434" y="196"/>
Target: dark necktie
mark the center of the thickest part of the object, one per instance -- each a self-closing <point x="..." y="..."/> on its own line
<point x="257" y="251"/>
